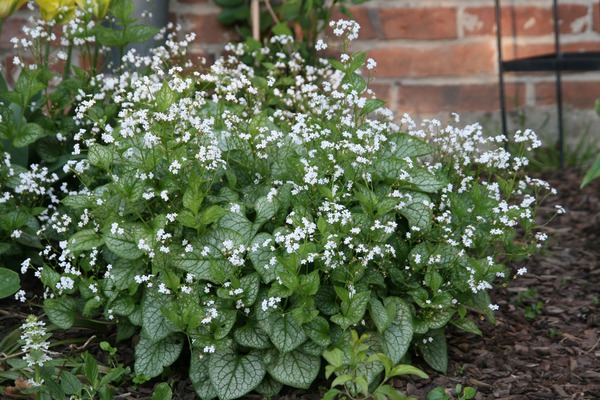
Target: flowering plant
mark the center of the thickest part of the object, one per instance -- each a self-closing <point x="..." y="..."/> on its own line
<point x="54" y="66"/>
<point x="257" y="212"/>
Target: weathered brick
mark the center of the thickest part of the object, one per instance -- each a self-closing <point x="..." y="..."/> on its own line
<point x="382" y="91"/>
<point x="579" y="94"/>
<point x="12" y="28"/>
<point x="418" y="23"/>
<point x="524" y="20"/>
<point x="444" y="60"/>
<point x="434" y="99"/>
<point x="208" y="28"/>
<point x="521" y="50"/>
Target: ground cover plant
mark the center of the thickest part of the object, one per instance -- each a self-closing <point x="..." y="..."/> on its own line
<point x="264" y="215"/>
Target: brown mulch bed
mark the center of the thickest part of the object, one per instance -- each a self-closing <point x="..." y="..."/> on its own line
<point x="545" y="343"/>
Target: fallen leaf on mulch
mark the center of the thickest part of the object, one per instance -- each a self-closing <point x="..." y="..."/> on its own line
<point x="14" y="392"/>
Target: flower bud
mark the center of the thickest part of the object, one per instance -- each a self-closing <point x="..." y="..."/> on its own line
<point x="98" y="8"/>
<point x="8" y="7"/>
<point x="59" y="11"/>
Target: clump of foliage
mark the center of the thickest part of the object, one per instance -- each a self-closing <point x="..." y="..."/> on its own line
<point x="58" y="60"/>
<point x="257" y="213"/>
<point x="305" y="20"/>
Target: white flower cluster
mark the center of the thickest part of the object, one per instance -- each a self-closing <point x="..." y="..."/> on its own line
<point x="35" y="346"/>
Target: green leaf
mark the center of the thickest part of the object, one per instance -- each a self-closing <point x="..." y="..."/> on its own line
<point x="90" y="368"/>
<point x="436" y="318"/>
<point x="165" y="97"/>
<point x="354" y="311"/>
<point x="232" y="375"/>
<point x="199" y="376"/>
<point x="123" y="244"/>
<point x="70" y="383"/>
<point x="416" y="210"/>
<point x="85" y="240"/>
<point x="162" y="391"/>
<point x="250" y="283"/>
<point x="379" y="314"/>
<point x="212" y="214"/>
<point x="433" y="279"/>
<point x="404" y="145"/>
<point x="356" y="81"/>
<point x="435" y="351"/>
<point x="155" y="325"/>
<point x="224" y="322"/>
<point x="51" y="386"/>
<point x="252" y="336"/>
<point x="131" y="186"/>
<point x="101" y="156"/>
<point x="295" y="369"/>
<point x="318" y="331"/>
<point x="124" y="271"/>
<point x="140" y="33"/>
<point x="325" y="300"/>
<point x="371" y="105"/>
<point x="195" y="263"/>
<point x="286" y="334"/>
<point x="152" y="356"/>
<point x="396" y="339"/>
<point x="308" y="285"/>
<point x="438" y="393"/>
<point x="109" y="37"/>
<point x="265" y="210"/>
<point x="9" y="282"/>
<point x="269" y="387"/>
<point x="592" y="173"/>
<point x="425" y="181"/>
<point x="122" y="9"/>
<point x="402" y="369"/>
<point x="78" y="201"/>
<point x="261" y="258"/>
<point x="236" y="226"/>
<point x="28" y="134"/>
<point x="466" y="325"/>
<point x="61" y="312"/>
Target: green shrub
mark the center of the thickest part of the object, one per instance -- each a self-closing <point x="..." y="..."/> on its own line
<point x="259" y="212"/>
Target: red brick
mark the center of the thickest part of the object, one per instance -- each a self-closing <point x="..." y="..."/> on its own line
<point x="522" y="20"/>
<point x="360" y="15"/>
<point x="429" y="99"/>
<point x="521" y="50"/>
<point x="578" y="94"/>
<point x="208" y="28"/>
<point x="12" y="28"/>
<point x="597" y="17"/>
<point x="382" y="91"/>
<point x="455" y="59"/>
<point x="418" y="23"/>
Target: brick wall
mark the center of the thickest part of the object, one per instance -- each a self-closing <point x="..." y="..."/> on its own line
<point x="439" y="56"/>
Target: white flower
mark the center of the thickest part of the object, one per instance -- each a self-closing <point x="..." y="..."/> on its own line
<point x="320" y="45"/>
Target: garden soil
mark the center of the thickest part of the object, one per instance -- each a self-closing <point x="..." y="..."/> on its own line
<point x="545" y="342"/>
